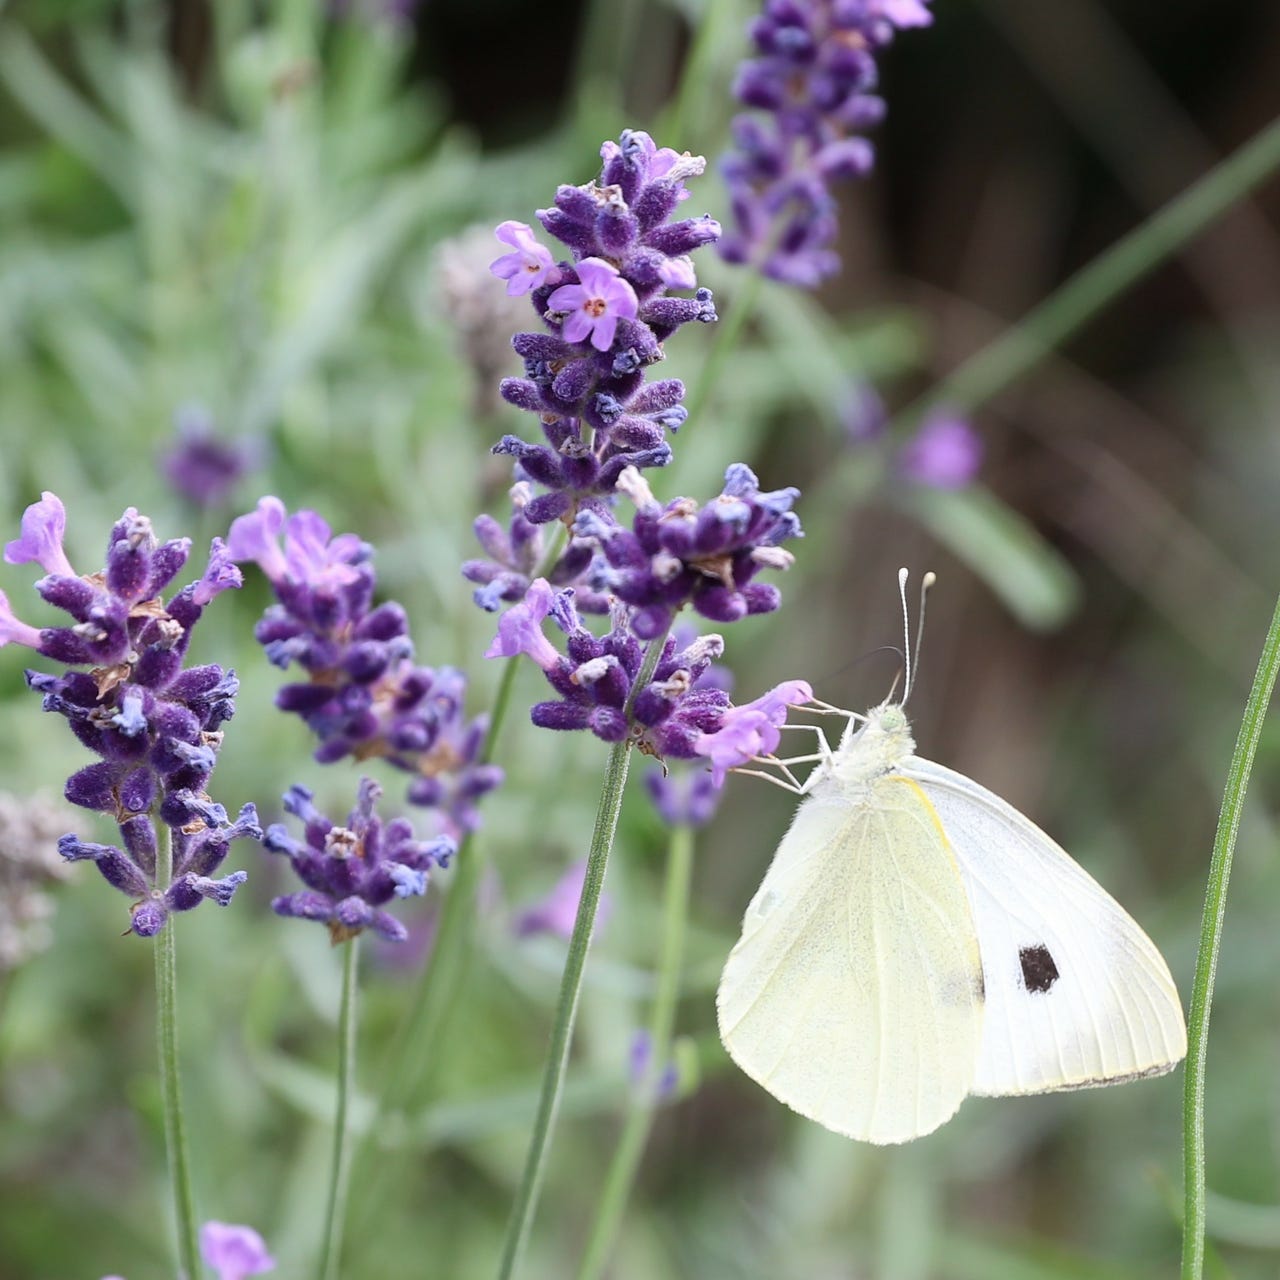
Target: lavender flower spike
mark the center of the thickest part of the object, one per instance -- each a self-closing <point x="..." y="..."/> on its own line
<point x="808" y="94"/>
<point x="155" y="725"/>
<point x="363" y="695"/>
<point x="352" y="871"/>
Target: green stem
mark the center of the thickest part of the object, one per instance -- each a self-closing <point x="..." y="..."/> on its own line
<point x="644" y="1100"/>
<point x="340" y="1169"/>
<point x="1215" y="906"/>
<point x="606" y="825"/>
<point x="413" y="1054"/>
<point x="175" y="1130"/>
<point x="440" y="982"/>
<point x="1066" y="310"/>
<point x="727" y="333"/>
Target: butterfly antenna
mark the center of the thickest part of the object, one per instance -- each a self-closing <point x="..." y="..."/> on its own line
<point x="925" y="583"/>
<point x="912" y="656"/>
<point x="906" y="636"/>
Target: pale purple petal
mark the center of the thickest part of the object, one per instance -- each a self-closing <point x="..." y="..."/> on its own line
<point x="256" y="537"/>
<point x="314" y="558"/>
<point x="529" y="267"/>
<point x="751" y="730"/>
<point x="905" y="13"/>
<point x="520" y="628"/>
<point x="12" y="631"/>
<point x="220" y="575"/>
<point x="43" y="526"/>
<point x="233" y="1251"/>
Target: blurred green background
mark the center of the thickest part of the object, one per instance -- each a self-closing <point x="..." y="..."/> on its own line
<point x="252" y="212"/>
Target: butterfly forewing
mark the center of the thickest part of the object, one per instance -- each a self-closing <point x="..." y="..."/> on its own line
<point x="1076" y="993"/>
<point x="855" y="992"/>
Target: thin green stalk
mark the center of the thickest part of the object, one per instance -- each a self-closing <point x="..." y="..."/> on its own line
<point x="644" y="1099"/>
<point x="1215" y="907"/>
<point x="1066" y="310"/>
<point x="606" y="825"/>
<point x="340" y="1169"/>
<point x="412" y="1057"/>
<point x="727" y="334"/>
<point x="175" y="1130"/>
<point x="439" y="984"/>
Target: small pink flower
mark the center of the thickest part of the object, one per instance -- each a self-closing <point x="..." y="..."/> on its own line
<point x="520" y="628"/>
<point x="594" y="306"/>
<point x="751" y="730"/>
<point x="558" y="911"/>
<point x="233" y="1251"/>
<point x="256" y="536"/>
<point x="43" y="525"/>
<point x="529" y="267"/>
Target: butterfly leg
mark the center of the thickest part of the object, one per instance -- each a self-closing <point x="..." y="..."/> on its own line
<point x="796" y="788"/>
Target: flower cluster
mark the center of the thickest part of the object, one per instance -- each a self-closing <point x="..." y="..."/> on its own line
<point x="155" y="724"/>
<point x="364" y="696"/>
<point x="607" y="314"/>
<point x="681" y="554"/>
<point x="809" y="94"/>
<point x="352" y="871"/>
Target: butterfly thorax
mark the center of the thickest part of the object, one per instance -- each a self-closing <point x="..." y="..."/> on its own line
<point x="875" y="748"/>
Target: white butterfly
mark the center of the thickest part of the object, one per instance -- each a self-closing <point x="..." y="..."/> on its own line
<point x="916" y="939"/>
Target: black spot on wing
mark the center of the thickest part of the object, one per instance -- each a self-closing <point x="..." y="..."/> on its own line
<point x="1039" y="972"/>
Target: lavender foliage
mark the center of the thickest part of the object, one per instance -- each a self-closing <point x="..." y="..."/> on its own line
<point x="809" y="94"/>
<point x="155" y="724"/>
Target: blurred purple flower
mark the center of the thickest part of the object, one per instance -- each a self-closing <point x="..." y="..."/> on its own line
<point x="684" y="798"/>
<point x="863" y="414"/>
<point x="557" y="912"/>
<point x="639" y="1064"/>
<point x="946" y="453"/>
<point x="202" y="467"/>
<point x="809" y="92"/>
<point x="234" y="1252"/>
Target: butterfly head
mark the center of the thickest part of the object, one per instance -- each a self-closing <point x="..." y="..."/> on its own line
<point x="876" y="746"/>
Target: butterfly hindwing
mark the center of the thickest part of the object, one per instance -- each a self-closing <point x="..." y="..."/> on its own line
<point x="855" y="992"/>
<point x="1076" y="993"/>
